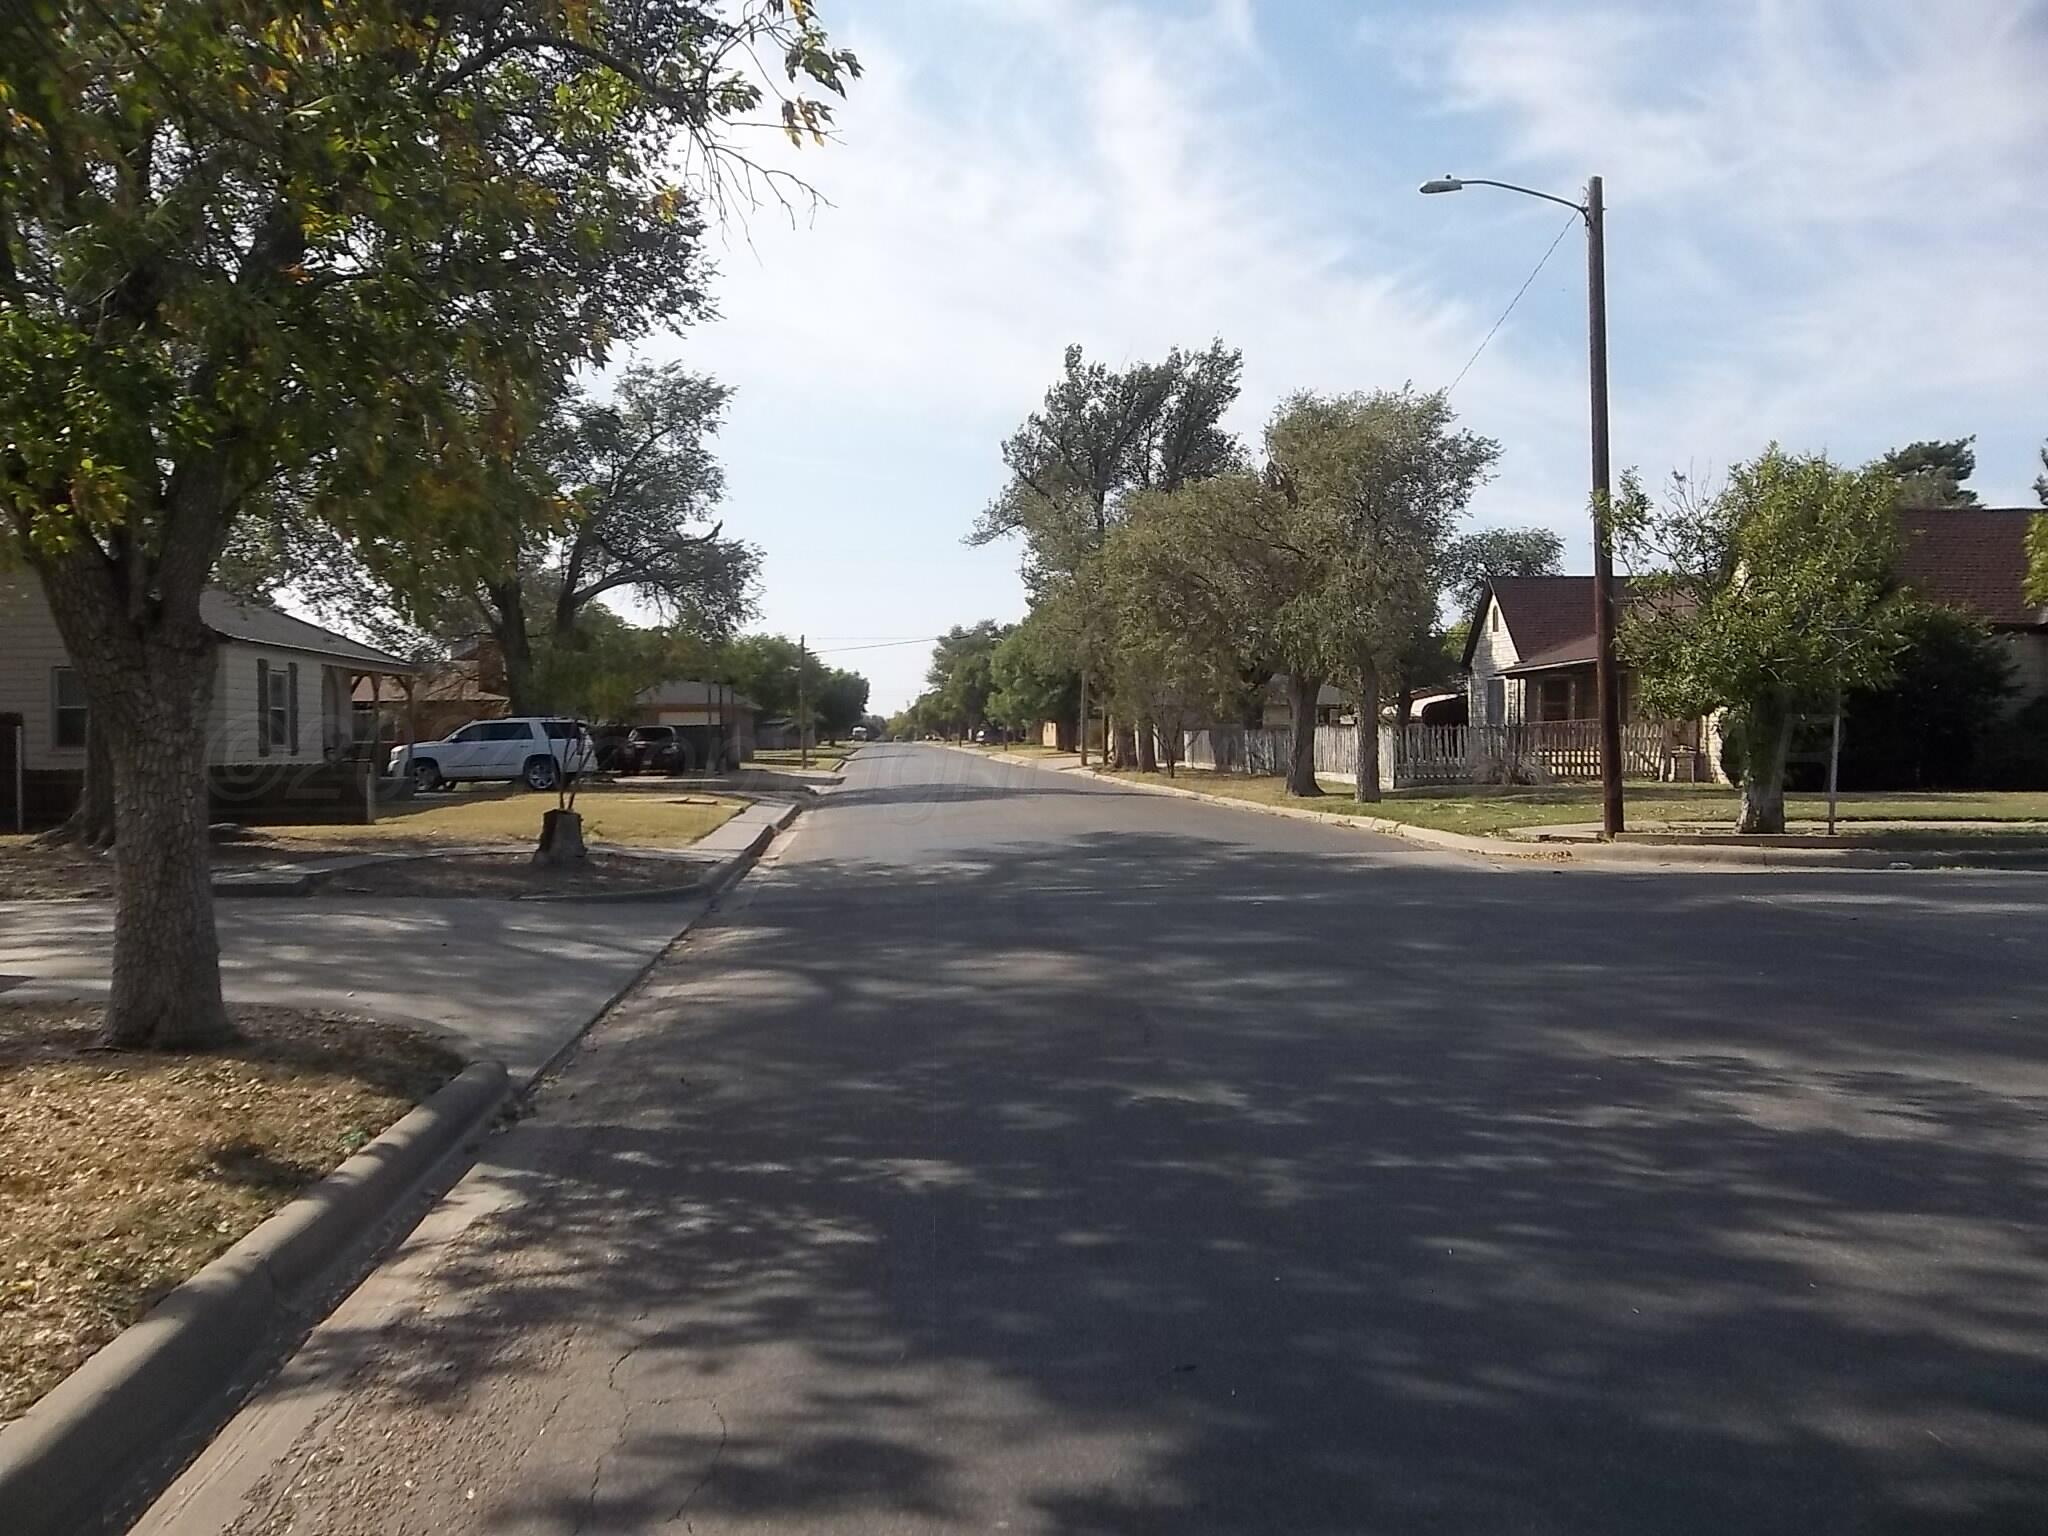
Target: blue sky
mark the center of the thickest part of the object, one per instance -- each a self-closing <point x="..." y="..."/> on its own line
<point x="1827" y="226"/>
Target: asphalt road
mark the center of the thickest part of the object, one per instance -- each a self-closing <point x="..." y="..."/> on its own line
<point x="1018" y="1154"/>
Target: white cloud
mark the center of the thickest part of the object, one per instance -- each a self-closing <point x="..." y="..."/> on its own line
<point x="1826" y="225"/>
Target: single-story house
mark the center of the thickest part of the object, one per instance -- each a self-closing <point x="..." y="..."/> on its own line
<point x="281" y="709"/>
<point x="1529" y="654"/>
<point x="716" y="707"/>
<point x="1975" y="559"/>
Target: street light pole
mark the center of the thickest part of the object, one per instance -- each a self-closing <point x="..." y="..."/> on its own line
<point x="1607" y="672"/>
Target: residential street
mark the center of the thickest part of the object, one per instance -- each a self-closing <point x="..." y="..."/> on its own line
<point x="1016" y="1153"/>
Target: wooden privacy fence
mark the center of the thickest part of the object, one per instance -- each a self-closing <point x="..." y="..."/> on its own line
<point x="1552" y="752"/>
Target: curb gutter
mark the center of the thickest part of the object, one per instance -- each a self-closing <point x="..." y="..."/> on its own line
<point x="76" y="1450"/>
<point x="707" y="892"/>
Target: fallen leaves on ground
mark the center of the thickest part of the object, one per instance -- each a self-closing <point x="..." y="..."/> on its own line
<point x="122" y="1173"/>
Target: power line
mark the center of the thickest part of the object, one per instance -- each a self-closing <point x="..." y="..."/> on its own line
<point x="1503" y="320"/>
<point x="880" y="645"/>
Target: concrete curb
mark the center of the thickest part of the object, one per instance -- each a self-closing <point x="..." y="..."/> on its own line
<point x="74" y="1451"/>
<point x="1620" y="855"/>
<point x="728" y="874"/>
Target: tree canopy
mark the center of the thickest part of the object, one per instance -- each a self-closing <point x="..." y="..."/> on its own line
<point x="1931" y="472"/>
<point x="1474" y="559"/>
<point x="1764" y="598"/>
<point x="243" y="245"/>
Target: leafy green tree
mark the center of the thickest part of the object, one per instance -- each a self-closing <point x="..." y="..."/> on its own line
<point x="1931" y="472"/>
<point x="765" y="669"/>
<point x="962" y="673"/>
<point x="2037" y="539"/>
<point x="1765" y="599"/>
<point x="584" y="497"/>
<point x="1474" y="559"/>
<point x="841" y="701"/>
<point x="1033" y="680"/>
<point x="1380" y="480"/>
<point x="1101" y="435"/>
<point x="1180" y="610"/>
<point x="239" y="241"/>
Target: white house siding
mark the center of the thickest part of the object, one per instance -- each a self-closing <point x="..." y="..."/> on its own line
<point x="1493" y="651"/>
<point x="233" y="717"/>
<point x="30" y="651"/>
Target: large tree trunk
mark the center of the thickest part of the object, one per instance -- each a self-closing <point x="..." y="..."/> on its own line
<point x="91" y="822"/>
<point x="166" y="981"/>
<point x="508" y="627"/>
<point x="148" y="669"/>
<point x="1302" y="694"/>
<point x="1368" y="777"/>
<point x="1148" y="746"/>
<point x="1766" y="740"/>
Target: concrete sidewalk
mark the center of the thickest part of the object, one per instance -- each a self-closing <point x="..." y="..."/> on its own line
<point x="510" y="981"/>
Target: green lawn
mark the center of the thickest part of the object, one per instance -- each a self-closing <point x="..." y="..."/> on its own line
<point x="1484" y="813"/>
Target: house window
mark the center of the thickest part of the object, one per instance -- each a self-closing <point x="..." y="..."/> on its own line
<point x="277" y="707"/>
<point x="68" y="713"/>
<point x="1493" y="620"/>
<point x="1496" y="700"/>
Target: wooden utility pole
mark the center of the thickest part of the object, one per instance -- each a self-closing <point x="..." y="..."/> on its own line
<point x="1084" y="717"/>
<point x="803" y="707"/>
<point x="1607" y="671"/>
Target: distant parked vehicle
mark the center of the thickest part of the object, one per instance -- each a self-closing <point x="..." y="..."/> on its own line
<point x="529" y="750"/>
<point x="860" y="733"/>
<point x="614" y="747"/>
<point x="661" y="749"/>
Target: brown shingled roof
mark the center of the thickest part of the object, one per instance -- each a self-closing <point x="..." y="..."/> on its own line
<point x="1974" y="558"/>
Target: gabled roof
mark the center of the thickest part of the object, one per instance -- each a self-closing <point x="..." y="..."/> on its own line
<point x="234" y="618"/>
<point x="1974" y="558"/>
<point x="1550" y="618"/>
<point x="688" y="693"/>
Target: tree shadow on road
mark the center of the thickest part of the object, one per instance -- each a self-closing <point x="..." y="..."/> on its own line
<point x="1140" y="1183"/>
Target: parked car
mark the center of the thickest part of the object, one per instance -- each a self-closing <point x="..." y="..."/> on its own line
<point x="525" y="750"/>
<point x="661" y="749"/>
<point x="614" y="747"/>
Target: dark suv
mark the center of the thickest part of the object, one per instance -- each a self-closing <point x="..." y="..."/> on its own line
<point x="615" y="750"/>
<point x="659" y="749"/>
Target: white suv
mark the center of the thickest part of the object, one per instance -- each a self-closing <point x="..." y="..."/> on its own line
<point x="531" y="750"/>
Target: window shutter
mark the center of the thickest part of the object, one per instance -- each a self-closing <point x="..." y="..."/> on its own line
<point x="291" y="673"/>
<point x="262" y="707"/>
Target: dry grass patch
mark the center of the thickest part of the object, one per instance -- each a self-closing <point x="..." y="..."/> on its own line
<point x="507" y="876"/>
<point x="630" y="817"/>
<point x="123" y="1173"/>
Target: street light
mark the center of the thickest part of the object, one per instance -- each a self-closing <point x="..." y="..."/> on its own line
<point x="1593" y="211"/>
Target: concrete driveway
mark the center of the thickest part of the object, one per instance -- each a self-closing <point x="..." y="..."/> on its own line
<point x="509" y="980"/>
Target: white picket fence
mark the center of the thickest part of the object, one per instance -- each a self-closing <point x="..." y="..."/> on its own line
<point x="1555" y="752"/>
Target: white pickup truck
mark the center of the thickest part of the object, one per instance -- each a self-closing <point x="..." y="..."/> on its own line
<point x="529" y="750"/>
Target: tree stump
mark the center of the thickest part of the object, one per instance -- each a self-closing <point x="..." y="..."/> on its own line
<point x="561" y="840"/>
